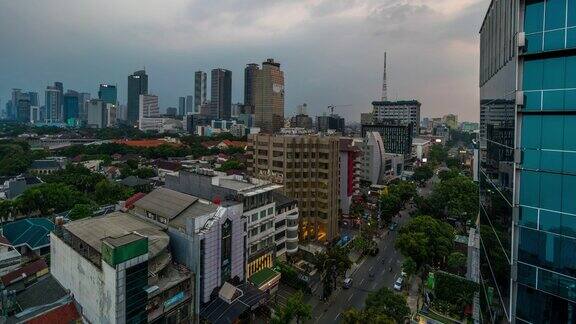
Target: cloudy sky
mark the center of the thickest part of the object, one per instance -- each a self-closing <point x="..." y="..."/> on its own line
<point x="330" y="50"/>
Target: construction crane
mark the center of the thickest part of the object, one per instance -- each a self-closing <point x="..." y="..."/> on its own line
<point x="331" y="108"/>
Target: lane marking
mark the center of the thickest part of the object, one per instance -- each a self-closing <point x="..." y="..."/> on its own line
<point x="361" y="281"/>
<point x="370" y="270"/>
<point x="350" y="297"/>
<point x="335" y="318"/>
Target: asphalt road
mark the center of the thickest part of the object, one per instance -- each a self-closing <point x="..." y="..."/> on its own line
<point x="362" y="284"/>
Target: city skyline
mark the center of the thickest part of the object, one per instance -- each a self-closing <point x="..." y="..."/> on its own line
<point x="340" y="63"/>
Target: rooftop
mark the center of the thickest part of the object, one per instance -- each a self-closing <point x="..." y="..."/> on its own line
<point x="165" y="202"/>
<point x="281" y="199"/>
<point x="45" y="291"/>
<point x="45" y="164"/>
<point x="93" y="230"/>
<point x="397" y="103"/>
<point x="25" y="271"/>
<point x="30" y="232"/>
<point x="263" y="276"/>
<point x="220" y="311"/>
<point x="144" y="143"/>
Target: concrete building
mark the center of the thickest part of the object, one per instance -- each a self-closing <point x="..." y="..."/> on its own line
<point x="366" y="118"/>
<point x="258" y="198"/>
<point x="373" y="158"/>
<point x="209" y="239"/>
<point x="53" y="104"/>
<point x="527" y="163"/>
<point x="200" y="90"/>
<point x="331" y="122"/>
<point x="160" y="124"/>
<point x="350" y="170"/>
<point x="397" y="137"/>
<point x="181" y="106"/>
<point x="405" y="112"/>
<point x="190" y="105"/>
<point x="308" y="167"/>
<point x="120" y="270"/>
<point x="420" y="148"/>
<point x="302" y="121"/>
<point x="221" y="94"/>
<point x="269" y="97"/>
<point x="97" y="116"/>
<point x="450" y="120"/>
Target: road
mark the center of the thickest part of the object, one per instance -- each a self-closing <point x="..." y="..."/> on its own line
<point x="362" y="283"/>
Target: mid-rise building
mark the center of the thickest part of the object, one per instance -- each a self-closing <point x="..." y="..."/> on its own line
<point x="200" y="90"/>
<point x="137" y="85"/>
<point x="269" y="97"/>
<point x="450" y="120"/>
<point x="208" y="238"/>
<point x="148" y="107"/>
<point x="527" y="162"/>
<point x="308" y="167"/>
<point x="331" y="122"/>
<point x="405" y="112"/>
<point x="377" y="166"/>
<point x="108" y="93"/>
<point x="160" y="124"/>
<point x="350" y="171"/>
<point x="97" y="115"/>
<point x="366" y="118"/>
<point x="120" y="270"/>
<point x="302" y="121"/>
<point x="397" y="137"/>
<point x="221" y="94"/>
<point x="259" y="208"/>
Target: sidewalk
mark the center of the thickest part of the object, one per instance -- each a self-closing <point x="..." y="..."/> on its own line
<point x="414" y="294"/>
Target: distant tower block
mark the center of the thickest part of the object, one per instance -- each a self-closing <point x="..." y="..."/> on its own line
<point x="384" y="83"/>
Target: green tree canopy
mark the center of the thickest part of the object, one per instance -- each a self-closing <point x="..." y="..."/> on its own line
<point x="295" y="308"/>
<point x="107" y="192"/>
<point x="456" y="261"/>
<point x="423" y="173"/>
<point x="386" y="302"/>
<point x="426" y="240"/>
<point x="355" y="316"/>
<point x="409" y="266"/>
<point x="438" y="154"/>
<point x="80" y="211"/>
<point x="457" y="198"/>
<point x="49" y="198"/>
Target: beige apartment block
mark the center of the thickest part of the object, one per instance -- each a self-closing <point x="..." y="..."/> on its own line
<point x="308" y="167"/>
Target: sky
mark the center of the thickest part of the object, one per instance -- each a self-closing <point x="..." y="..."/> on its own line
<point x="331" y="51"/>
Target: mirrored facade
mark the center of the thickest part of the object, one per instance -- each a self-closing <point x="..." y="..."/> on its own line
<point x="528" y="161"/>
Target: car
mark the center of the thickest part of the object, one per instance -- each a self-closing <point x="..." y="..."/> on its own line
<point x="347" y="283"/>
<point x="398" y="283"/>
<point x="393" y="226"/>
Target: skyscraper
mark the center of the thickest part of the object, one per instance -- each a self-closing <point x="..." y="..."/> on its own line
<point x="190" y="105"/>
<point x="137" y="85"/>
<point x="404" y="111"/>
<point x="269" y="97"/>
<point x="221" y="94"/>
<point x="71" y="105"/>
<point x="108" y="93"/>
<point x="528" y="162"/>
<point x="200" y="87"/>
<point x="53" y="104"/>
<point x="250" y="83"/>
<point x="182" y="106"/>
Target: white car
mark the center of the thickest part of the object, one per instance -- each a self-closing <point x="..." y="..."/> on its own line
<point x="398" y="283"/>
<point x="347" y="283"/>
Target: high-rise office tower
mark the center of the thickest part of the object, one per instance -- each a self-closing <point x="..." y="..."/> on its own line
<point x="71" y="105"/>
<point x="528" y="162"/>
<point x="200" y="88"/>
<point x="108" y="93"/>
<point x="137" y="85"/>
<point x="23" y="108"/>
<point x="190" y="105"/>
<point x="53" y="104"/>
<point x="250" y="83"/>
<point x="269" y="97"/>
<point x="221" y="94"/>
<point x="33" y="98"/>
<point x="182" y="106"/>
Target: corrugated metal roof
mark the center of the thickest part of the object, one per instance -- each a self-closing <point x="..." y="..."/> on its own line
<point x="32" y="232"/>
<point x="165" y="202"/>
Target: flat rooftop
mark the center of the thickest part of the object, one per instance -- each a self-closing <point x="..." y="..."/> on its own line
<point x="94" y="230"/>
<point x="165" y="202"/>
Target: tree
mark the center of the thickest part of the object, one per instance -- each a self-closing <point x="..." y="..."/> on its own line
<point x="409" y="266"/>
<point x="423" y="173"/>
<point x="457" y="197"/>
<point x="355" y="316"/>
<point x="107" y="192"/>
<point x="438" y="154"/>
<point x="295" y="308"/>
<point x="7" y="207"/>
<point x="386" y="302"/>
<point x="404" y="190"/>
<point x="332" y="263"/>
<point x="49" y="198"/>
<point x="80" y="211"/>
<point x="426" y="240"/>
<point x="231" y="165"/>
<point x="456" y="261"/>
<point x="14" y="158"/>
<point x="390" y="205"/>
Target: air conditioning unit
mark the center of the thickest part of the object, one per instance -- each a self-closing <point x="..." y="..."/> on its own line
<point x="520" y="98"/>
<point x="521" y="39"/>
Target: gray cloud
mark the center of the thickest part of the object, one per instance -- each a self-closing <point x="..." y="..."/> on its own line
<point x="330" y="50"/>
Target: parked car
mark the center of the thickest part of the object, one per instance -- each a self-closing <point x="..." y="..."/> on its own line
<point x="347" y="283"/>
<point x="393" y="226"/>
<point x="398" y="283"/>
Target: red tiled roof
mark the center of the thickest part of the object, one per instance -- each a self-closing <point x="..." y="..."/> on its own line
<point x="144" y="143"/>
<point x="64" y="314"/>
<point x="134" y="198"/>
<point x="209" y="144"/>
<point x="230" y="143"/>
<point x="28" y="270"/>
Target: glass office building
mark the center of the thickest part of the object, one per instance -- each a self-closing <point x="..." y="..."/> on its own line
<point x="528" y="161"/>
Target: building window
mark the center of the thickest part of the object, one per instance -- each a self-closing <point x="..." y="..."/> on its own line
<point x="270" y="210"/>
<point x="226" y="252"/>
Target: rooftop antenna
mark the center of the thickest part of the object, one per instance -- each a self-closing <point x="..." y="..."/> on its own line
<point x="384" y="85"/>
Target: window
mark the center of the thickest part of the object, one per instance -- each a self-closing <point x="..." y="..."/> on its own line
<point x="254" y="217"/>
<point x="263" y="214"/>
<point x="270" y="210"/>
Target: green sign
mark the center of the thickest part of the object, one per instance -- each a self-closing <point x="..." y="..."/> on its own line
<point x="115" y="255"/>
